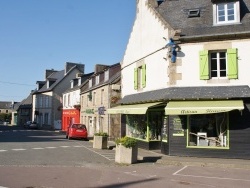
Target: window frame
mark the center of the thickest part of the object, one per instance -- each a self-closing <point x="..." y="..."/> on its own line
<point x="227" y="134"/>
<point x="140" y="77"/>
<point x="218" y="62"/>
<point x="231" y="64"/>
<point x="236" y="6"/>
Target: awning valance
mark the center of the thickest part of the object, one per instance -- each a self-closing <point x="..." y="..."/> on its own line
<point x="202" y="107"/>
<point x="132" y="109"/>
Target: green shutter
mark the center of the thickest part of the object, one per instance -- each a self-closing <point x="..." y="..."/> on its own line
<point x="232" y="63"/>
<point x="143" y="75"/>
<point x="135" y="78"/>
<point x="204" y="66"/>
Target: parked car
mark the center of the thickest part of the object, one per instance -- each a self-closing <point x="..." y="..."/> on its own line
<point x="77" y="131"/>
<point x="27" y="124"/>
<point x="31" y="124"/>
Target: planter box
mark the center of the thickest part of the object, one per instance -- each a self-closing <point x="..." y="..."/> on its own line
<point x="126" y="155"/>
<point x="100" y="142"/>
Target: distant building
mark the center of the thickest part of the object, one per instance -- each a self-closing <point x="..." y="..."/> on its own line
<point x="47" y="100"/>
<point x="6" y="110"/>
<point x="24" y="110"/>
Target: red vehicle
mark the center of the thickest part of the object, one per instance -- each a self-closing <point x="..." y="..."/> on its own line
<point x="77" y="131"/>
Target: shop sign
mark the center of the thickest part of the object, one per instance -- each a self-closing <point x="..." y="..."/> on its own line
<point x="89" y="111"/>
<point x="178" y="124"/>
<point x="101" y="110"/>
<point x="202" y="111"/>
<point x="69" y="113"/>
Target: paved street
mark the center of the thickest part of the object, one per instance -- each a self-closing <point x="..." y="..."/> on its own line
<point x="45" y="159"/>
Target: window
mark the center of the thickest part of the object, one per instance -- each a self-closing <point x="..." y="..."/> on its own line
<point x="90" y="83"/>
<point x="219" y="64"/>
<point x="47" y="101"/>
<point x="140" y="77"/>
<point x="227" y="12"/>
<point x="46" y="118"/>
<point x="94" y="98"/>
<point x="106" y="75"/>
<point x="97" y="78"/>
<point x="102" y="96"/>
<point x="40" y="101"/>
<point x="69" y="102"/>
<point x="208" y="130"/>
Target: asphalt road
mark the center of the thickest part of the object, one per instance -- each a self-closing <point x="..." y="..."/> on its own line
<point x="45" y="159"/>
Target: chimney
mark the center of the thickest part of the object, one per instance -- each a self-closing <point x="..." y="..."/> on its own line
<point x="99" y="68"/>
<point x="49" y="72"/>
<point x="70" y="65"/>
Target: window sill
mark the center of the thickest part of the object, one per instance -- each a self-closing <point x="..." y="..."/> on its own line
<point x="208" y="147"/>
<point x="226" y="24"/>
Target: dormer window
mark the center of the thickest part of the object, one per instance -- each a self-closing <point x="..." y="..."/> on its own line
<point x="71" y="84"/>
<point x="90" y="83"/>
<point x="97" y="79"/>
<point x="226" y="12"/>
<point x="106" y="75"/>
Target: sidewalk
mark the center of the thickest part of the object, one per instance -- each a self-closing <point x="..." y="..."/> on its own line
<point x="145" y="156"/>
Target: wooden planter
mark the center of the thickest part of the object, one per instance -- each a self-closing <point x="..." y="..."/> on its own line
<point x="100" y="142"/>
<point x="126" y="155"/>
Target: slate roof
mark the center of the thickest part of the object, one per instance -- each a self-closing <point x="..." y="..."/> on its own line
<point x="189" y="93"/>
<point x="58" y="76"/>
<point x="175" y="13"/>
<point x="84" y="79"/>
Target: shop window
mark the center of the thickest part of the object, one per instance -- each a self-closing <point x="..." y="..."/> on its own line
<point x="218" y="64"/>
<point x="208" y="130"/>
<point x="136" y="126"/>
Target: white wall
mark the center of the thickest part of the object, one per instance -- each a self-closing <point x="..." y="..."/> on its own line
<point x="146" y="38"/>
<point x="190" y="63"/>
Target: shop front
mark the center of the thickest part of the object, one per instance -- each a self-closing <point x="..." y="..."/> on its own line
<point x="208" y="129"/>
<point x="144" y="122"/>
<point x="70" y="116"/>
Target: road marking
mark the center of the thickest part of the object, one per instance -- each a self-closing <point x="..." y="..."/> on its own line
<point x="37" y="148"/>
<point x="21" y="149"/>
<point x="3" y="150"/>
<point x="78" y="146"/>
<point x="179" y="170"/>
<point x="50" y="147"/>
<point x="64" y="146"/>
<point x="89" y="148"/>
<point x="140" y="175"/>
<point x="208" y="177"/>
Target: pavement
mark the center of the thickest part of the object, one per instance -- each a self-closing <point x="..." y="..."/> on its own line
<point x="149" y="156"/>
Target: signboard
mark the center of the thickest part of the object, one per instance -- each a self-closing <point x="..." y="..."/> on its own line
<point x="178" y="123"/>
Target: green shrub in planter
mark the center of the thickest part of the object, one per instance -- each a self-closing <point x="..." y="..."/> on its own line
<point x="126" y="142"/>
<point x="101" y="134"/>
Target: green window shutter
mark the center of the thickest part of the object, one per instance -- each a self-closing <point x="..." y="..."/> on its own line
<point x="135" y="78"/>
<point x="204" y="66"/>
<point x="232" y="63"/>
<point x="143" y="75"/>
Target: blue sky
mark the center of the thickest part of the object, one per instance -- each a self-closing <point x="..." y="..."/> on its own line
<point x="43" y="34"/>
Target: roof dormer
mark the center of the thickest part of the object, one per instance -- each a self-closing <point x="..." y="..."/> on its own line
<point x="226" y="12"/>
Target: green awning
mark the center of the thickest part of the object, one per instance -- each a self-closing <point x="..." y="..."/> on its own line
<point x="132" y="109"/>
<point x="202" y="107"/>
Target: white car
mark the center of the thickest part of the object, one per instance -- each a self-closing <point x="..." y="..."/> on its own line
<point x="33" y="125"/>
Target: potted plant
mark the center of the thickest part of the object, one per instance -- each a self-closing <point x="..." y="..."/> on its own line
<point x="126" y="150"/>
<point x="100" y="140"/>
